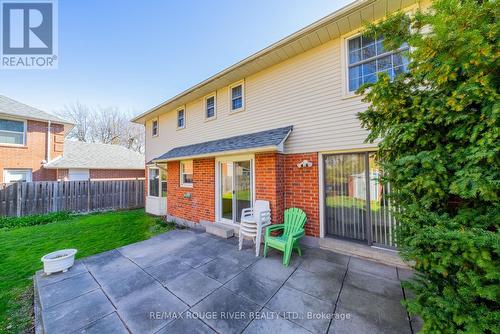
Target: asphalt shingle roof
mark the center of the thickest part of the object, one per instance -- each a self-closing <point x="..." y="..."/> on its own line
<point x="78" y="154"/>
<point x="272" y="137"/>
<point x="12" y="107"/>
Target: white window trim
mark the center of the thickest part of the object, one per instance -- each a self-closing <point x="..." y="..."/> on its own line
<point x="230" y="93"/>
<point x="25" y="132"/>
<point x="177" y="118"/>
<point x="214" y="95"/>
<point x="7" y="171"/>
<point x="157" y="120"/>
<point x="182" y="184"/>
<point x="159" y="181"/>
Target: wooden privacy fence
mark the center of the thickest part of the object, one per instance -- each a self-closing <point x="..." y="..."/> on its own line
<point x="28" y="198"/>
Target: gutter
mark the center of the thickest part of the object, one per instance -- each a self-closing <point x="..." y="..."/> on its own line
<point x="48" y="141"/>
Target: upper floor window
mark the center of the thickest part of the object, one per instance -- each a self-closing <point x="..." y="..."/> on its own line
<point x="237" y="92"/>
<point x="181" y="118"/>
<point x="367" y="57"/>
<point x="186" y="168"/>
<point x="210" y="107"/>
<point x="12" y="132"/>
<point x="154" y="128"/>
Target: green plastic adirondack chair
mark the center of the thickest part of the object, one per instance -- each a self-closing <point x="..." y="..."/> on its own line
<point x="293" y="230"/>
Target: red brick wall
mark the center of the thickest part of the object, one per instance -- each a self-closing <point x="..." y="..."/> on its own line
<point x="117" y="174"/>
<point x="106" y="174"/>
<point x="302" y="188"/>
<point x="269" y="183"/>
<point x="32" y="155"/>
<point x="277" y="180"/>
<point x="201" y="205"/>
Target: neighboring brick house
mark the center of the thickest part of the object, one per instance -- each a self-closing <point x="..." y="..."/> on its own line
<point x="281" y="126"/>
<point x="28" y="138"/>
<point x="94" y="161"/>
<point x="33" y="148"/>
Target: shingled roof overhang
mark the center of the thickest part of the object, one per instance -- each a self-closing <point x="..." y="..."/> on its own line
<point x="263" y="141"/>
<point x="345" y="20"/>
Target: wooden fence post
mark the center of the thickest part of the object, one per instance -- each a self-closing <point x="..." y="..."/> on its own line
<point x="88" y="195"/>
<point x="18" y="199"/>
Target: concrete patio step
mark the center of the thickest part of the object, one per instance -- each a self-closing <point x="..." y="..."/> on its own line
<point x="219" y="230"/>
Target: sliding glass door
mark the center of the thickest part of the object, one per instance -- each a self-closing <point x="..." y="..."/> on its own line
<point x="235" y="189"/>
<point x="356" y="205"/>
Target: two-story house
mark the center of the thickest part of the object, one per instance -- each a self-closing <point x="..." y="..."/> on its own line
<point x="281" y="126"/>
<point x="33" y="148"/>
<point x="29" y="138"/>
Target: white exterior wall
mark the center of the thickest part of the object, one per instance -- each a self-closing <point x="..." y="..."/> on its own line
<point x="306" y="91"/>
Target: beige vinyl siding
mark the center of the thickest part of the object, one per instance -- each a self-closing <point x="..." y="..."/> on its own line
<point x="305" y="91"/>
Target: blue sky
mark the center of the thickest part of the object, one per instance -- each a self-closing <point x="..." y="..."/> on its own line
<point x="136" y="54"/>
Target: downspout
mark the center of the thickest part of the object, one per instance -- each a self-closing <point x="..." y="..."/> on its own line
<point x="48" y="141"/>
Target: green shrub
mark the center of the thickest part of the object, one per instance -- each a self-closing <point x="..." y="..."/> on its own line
<point x="439" y="128"/>
<point x="9" y="222"/>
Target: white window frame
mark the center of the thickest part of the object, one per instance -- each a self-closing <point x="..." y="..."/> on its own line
<point x="205" y="99"/>
<point x="230" y="93"/>
<point x="346" y="93"/>
<point x="183" y="108"/>
<point x="25" y="131"/>
<point x="163" y="170"/>
<point x="29" y="178"/>
<point x="181" y="173"/>
<point x="153" y="134"/>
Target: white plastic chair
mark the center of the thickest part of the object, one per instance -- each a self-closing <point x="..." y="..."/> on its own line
<point x="253" y="221"/>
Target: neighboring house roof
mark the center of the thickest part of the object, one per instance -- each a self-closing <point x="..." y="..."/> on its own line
<point x="78" y="154"/>
<point x="269" y="140"/>
<point x="345" y="20"/>
<point x="17" y="109"/>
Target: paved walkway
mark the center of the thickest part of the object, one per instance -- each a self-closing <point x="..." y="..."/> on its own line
<point x="189" y="282"/>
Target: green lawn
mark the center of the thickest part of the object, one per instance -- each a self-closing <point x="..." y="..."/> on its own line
<point x="350" y="202"/>
<point x="21" y="249"/>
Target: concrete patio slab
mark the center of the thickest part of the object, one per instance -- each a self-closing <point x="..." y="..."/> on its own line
<point x="373" y="268"/>
<point x="373" y="284"/>
<point x="326" y="287"/>
<point x="189" y="282"/>
<point x="186" y="325"/>
<point x="76" y="313"/>
<point x="242" y="258"/>
<point x="168" y="271"/>
<point x="67" y="289"/>
<point x="323" y="267"/>
<point x="196" y="256"/>
<point x="231" y="311"/>
<point x="257" y="288"/>
<point x="110" y="324"/>
<point x="192" y="286"/>
<point x="110" y="266"/>
<point x="43" y="279"/>
<point x="303" y="309"/>
<point x="273" y="268"/>
<point x="139" y="309"/>
<point x="128" y="284"/>
<point x="222" y="270"/>
<point x="382" y="313"/>
<point x="316" y="253"/>
<point x="270" y="322"/>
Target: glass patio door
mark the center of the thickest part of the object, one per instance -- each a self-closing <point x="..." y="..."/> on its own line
<point x="356" y="204"/>
<point x="235" y="184"/>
